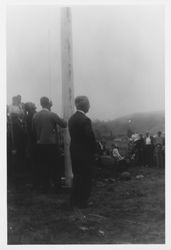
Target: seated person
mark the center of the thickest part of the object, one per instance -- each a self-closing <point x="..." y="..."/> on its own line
<point x="115" y="153"/>
<point x="121" y="161"/>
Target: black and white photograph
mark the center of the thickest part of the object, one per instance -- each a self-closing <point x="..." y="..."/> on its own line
<point x="85" y="124"/>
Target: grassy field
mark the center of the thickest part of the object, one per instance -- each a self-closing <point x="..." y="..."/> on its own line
<point x="121" y="212"/>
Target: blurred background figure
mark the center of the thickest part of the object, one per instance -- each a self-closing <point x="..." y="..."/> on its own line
<point x="17" y="130"/>
<point x="149" y="149"/>
<point x="16" y="108"/>
<point x="129" y="130"/>
<point x="30" y="110"/>
<point x="121" y="162"/>
<point x="138" y="149"/>
<point x="159" y="144"/>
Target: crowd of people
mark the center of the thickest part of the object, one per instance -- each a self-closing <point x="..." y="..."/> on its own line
<point x="36" y="134"/>
<point x="147" y="150"/>
<point x="34" y="138"/>
<point x="27" y="130"/>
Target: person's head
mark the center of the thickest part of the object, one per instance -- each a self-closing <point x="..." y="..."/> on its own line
<point x="19" y="98"/>
<point x="114" y="145"/>
<point x="159" y="133"/>
<point x="44" y="102"/>
<point x="30" y="107"/>
<point x="50" y="105"/>
<point x="82" y="103"/>
<point x="14" y="100"/>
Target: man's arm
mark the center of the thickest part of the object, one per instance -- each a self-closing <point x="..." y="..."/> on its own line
<point x="62" y="123"/>
<point x="90" y="137"/>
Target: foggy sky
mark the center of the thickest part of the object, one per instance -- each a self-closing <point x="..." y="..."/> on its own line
<point x="118" y="57"/>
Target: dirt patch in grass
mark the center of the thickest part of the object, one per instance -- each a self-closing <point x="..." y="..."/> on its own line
<point x="122" y="212"/>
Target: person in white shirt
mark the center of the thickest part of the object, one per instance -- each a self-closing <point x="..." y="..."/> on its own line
<point x="16" y="108"/>
<point x="149" y="149"/>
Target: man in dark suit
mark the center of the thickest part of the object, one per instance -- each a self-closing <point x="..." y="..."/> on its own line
<point x="83" y="148"/>
<point x="44" y="129"/>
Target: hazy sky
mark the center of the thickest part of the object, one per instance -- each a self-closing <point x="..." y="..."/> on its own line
<point x="118" y="56"/>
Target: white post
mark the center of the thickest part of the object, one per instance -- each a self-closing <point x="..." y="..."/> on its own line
<point x="67" y="84"/>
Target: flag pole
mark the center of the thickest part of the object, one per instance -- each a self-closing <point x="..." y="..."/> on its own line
<point x="67" y="85"/>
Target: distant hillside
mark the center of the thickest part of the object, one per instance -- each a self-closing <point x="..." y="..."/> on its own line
<point x="140" y="123"/>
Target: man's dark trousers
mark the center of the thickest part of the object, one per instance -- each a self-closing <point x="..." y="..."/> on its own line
<point x="46" y="165"/>
<point x="82" y="182"/>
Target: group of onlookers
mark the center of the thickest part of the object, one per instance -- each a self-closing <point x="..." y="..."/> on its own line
<point x="38" y="131"/>
<point x="27" y="131"/>
<point x="16" y="132"/>
<point x="34" y="137"/>
<point x="145" y="150"/>
<point x="149" y="150"/>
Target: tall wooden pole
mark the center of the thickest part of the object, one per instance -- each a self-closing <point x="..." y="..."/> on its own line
<point x="67" y="84"/>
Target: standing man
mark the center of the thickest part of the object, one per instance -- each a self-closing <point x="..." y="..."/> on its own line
<point x="20" y="104"/>
<point x="18" y="133"/>
<point x="159" y="143"/>
<point x="149" y="149"/>
<point x="83" y="148"/>
<point x="139" y="150"/>
<point x="44" y="128"/>
<point x="30" y="111"/>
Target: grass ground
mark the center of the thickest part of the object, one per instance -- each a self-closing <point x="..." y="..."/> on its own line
<point x="122" y="212"/>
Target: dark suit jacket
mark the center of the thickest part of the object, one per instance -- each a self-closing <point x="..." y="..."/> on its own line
<point x="44" y="126"/>
<point x="83" y="142"/>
